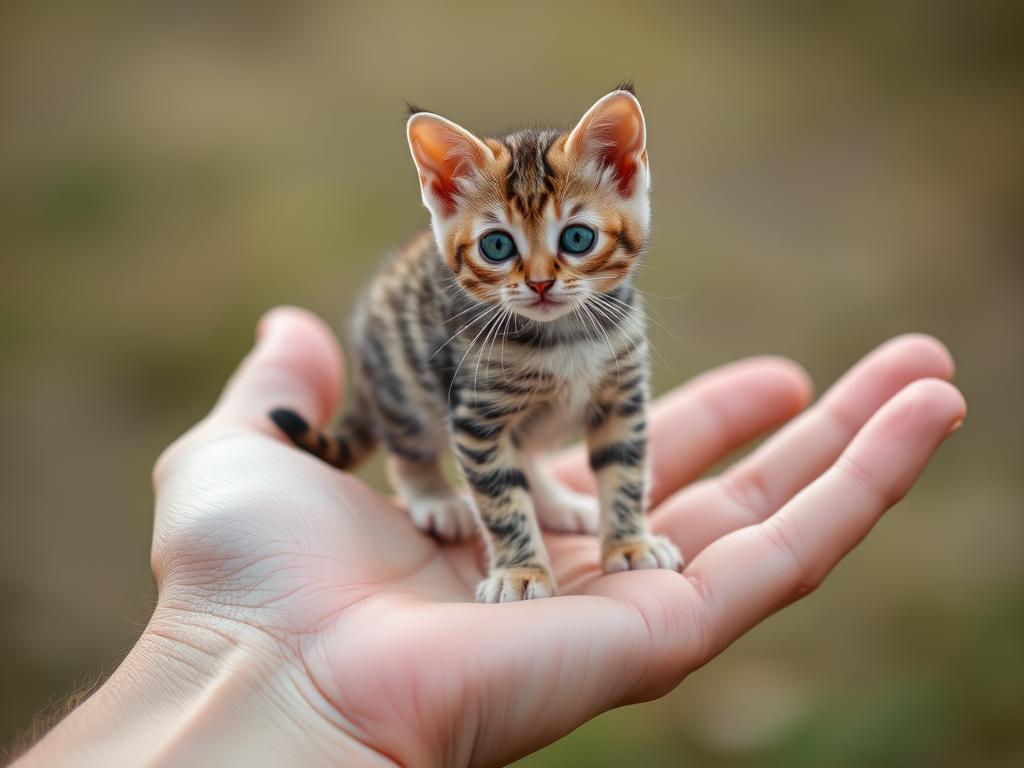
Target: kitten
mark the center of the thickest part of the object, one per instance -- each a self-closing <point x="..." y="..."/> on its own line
<point x="510" y="326"/>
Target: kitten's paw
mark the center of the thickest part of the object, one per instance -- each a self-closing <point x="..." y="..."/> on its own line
<point x="507" y="585"/>
<point x="646" y="551"/>
<point x="448" y="518"/>
<point x="568" y="512"/>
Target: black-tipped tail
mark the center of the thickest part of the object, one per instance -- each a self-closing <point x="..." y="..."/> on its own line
<point x="352" y="444"/>
<point x="289" y="422"/>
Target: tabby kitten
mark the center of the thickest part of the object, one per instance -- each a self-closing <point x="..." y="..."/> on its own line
<point x="508" y="328"/>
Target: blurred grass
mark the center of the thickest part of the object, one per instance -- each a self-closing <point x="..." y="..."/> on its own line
<point x="826" y="176"/>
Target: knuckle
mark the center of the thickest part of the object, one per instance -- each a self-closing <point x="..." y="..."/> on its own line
<point x="748" y="490"/>
<point x="804" y="579"/>
<point x="879" y="494"/>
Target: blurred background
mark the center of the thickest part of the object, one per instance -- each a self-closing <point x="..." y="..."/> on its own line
<point x="826" y="175"/>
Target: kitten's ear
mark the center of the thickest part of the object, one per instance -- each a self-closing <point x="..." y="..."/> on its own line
<point x="613" y="132"/>
<point x="443" y="152"/>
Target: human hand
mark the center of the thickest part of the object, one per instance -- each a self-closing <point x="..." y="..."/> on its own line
<point x="297" y="595"/>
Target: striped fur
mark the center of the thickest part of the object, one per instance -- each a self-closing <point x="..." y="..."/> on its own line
<point x="502" y="361"/>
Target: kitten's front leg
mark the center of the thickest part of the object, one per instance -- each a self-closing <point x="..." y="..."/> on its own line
<point x="617" y="442"/>
<point x="493" y="468"/>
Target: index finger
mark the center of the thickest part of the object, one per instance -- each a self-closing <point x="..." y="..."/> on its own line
<point x="750" y="573"/>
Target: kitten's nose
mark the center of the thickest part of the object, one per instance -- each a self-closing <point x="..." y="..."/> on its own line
<point x="539" y="286"/>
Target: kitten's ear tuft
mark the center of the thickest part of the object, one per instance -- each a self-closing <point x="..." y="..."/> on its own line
<point x="411" y="109"/>
<point x="614" y="133"/>
<point x="626" y="85"/>
<point x="443" y="152"/>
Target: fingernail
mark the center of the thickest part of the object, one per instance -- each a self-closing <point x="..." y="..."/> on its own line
<point x="954" y="427"/>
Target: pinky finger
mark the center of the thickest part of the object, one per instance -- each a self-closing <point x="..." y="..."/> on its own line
<point x="751" y="573"/>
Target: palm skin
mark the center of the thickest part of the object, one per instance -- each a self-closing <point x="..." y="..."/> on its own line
<point x="331" y="584"/>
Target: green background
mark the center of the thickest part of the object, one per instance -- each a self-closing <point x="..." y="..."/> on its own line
<point x="826" y="175"/>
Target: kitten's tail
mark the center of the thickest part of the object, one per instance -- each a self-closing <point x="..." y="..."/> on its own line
<point x="347" y="447"/>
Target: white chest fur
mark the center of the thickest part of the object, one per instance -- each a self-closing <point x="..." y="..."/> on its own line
<point x="578" y="370"/>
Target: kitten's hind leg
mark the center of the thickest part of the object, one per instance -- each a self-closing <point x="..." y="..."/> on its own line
<point x="434" y="505"/>
<point x="559" y="508"/>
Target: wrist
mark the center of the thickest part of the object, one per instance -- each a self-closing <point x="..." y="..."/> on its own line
<point x="198" y="689"/>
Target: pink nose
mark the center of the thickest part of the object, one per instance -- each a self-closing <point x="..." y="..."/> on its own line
<point x="539" y="286"/>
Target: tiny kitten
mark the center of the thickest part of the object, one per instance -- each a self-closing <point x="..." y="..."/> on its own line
<point x="503" y="331"/>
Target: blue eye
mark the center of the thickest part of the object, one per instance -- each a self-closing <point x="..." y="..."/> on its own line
<point x="497" y="246"/>
<point x="577" y="239"/>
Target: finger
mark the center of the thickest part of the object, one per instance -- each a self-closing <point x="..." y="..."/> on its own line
<point x="751" y="573"/>
<point x="759" y="484"/>
<point x="701" y="422"/>
<point x="296" y="364"/>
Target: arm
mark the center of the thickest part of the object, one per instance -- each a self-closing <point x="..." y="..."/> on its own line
<point x="199" y="691"/>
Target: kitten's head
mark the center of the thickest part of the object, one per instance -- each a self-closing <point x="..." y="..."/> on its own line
<point x="538" y="220"/>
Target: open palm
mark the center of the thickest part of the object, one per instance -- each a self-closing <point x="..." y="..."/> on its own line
<point x="330" y="583"/>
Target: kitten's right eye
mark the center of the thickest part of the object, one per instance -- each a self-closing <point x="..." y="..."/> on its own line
<point x="497" y="246"/>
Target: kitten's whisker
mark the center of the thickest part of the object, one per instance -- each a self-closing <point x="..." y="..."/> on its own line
<point x="607" y="339"/>
<point x="618" y="317"/>
<point x="628" y="317"/>
<point x="460" y="314"/>
<point x="504" y="334"/>
<point x="490" y="337"/>
<point x="451" y="338"/>
<point x="600" y="299"/>
<point x="616" y="321"/>
<point x="584" y="318"/>
<point x="468" y="349"/>
<point x="625" y="312"/>
<point x="491" y="334"/>
<point x="654" y="320"/>
<point x="638" y="327"/>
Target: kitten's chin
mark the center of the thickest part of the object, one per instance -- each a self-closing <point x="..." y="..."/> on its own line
<point x="544" y="311"/>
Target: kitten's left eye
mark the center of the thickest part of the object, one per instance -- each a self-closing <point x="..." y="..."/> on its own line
<point x="576" y="239"/>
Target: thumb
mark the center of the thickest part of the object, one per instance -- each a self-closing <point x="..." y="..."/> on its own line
<point x="296" y="364"/>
